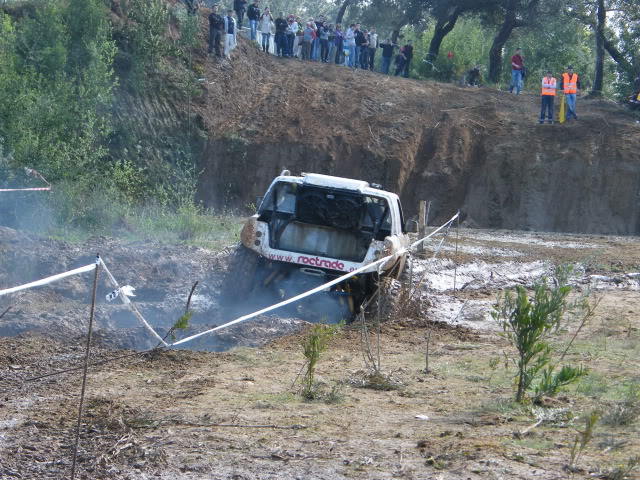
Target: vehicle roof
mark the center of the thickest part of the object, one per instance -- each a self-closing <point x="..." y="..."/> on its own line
<point x="328" y="181"/>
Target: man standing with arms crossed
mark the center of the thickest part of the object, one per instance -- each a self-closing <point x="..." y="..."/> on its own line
<point x="548" y="94"/>
<point x="517" y="64"/>
<point x="253" y="13"/>
<point x="570" y="85"/>
<point x="216" y="31"/>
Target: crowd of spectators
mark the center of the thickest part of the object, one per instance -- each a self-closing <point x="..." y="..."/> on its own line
<point x="312" y="40"/>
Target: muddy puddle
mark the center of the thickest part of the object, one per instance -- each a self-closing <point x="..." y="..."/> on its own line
<point x="458" y="279"/>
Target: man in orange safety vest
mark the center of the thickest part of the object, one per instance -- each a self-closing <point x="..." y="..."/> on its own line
<point x="548" y="95"/>
<point x="570" y="85"/>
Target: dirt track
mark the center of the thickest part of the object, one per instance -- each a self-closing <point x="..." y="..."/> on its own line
<point x="154" y="417"/>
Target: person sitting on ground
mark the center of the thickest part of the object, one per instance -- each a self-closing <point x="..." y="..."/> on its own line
<point x="399" y="63"/>
<point x="240" y="7"/>
<point x="387" y="54"/>
<point x="548" y="95"/>
<point x="281" y="36"/>
<point x="636" y="89"/>
<point x="192" y="6"/>
<point x="230" y="31"/>
<point x="216" y="30"/>
<point x="473" y="76"/>
<point x="265" y="26"/>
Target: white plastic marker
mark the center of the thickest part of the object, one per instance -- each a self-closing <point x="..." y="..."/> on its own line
<point x="123" y="293"/>
<point x="314" y="290"/>
<point x="45" y="281"/>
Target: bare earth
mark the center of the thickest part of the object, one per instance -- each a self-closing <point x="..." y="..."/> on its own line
<point x="156" y="416"/>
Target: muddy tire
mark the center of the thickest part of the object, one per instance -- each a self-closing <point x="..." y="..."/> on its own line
<point x="239" y="279"/>
<point x="388" y="299"/>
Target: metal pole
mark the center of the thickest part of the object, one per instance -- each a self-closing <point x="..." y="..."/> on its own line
<point x="86" y="365"/>
<point x="422" y="224"/>
<point x="455" y="268"/>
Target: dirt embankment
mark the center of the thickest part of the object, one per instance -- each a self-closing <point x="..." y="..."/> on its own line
<point x="477" y="150"/>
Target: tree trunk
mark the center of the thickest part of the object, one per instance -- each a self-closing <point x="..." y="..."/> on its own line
<point x="495" y="54"/>
<point x="444" y="25"/>
<point x="341" y="12"/>
<point x="396" y="31"/>
<point x="598" y="81"/>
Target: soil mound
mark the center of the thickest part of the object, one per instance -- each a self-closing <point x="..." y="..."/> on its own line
<point x="479" y="150"/>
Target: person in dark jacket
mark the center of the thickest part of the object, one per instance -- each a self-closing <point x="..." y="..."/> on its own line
<point x="406" y="53"/>
<point x="281" y="35"/>
<point x="240" y="7"/>
<point x="216" y="30"/>
<point x="387" y="54"/>
<point x="360" y="41"/>
<point x="473" y="76"/>
<point x="339" y="57"/>
<point x="253" y="14"/>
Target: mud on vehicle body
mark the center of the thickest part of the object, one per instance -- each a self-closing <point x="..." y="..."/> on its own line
<point x="312" y="229"/>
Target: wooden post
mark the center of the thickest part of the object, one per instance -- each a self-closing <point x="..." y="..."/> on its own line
<point x="422" y="224"/>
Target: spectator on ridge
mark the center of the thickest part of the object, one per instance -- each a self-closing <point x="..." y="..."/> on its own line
<point x="331" y="38"/>
<point x="406" y="53"/>
<point x="360" y="41"/>
<point x="339" y="45"/>
<point x="240" y="6"/>
<point x="308" y="36"/>
<point x="548" y="95"/>
<point x="216" y="29"/>
<point x="316" y="49"/>
<point x="473" y="76"/>
<point x="373" y="47"/>
<point x="517" y="66"/>
<point x="281" y="36"/>
<point x="230" y="31"/>
<point x="265" y="26"/>
<point x="350" y="44"/>
<point x="323" y="33"/>
<point x="387" y="54"/>
<point x="292" y="30"/>
<point x="570" y="85"/>
<point x="253" y="14"/>
<point x="192" y="6"/>
<point x="364" y="51"/>
<point x="297" y="47"/>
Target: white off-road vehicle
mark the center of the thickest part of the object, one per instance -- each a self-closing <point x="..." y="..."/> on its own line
<point x="309" y="230"/>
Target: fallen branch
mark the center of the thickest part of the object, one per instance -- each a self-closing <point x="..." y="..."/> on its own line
<point x="5" y="312"/>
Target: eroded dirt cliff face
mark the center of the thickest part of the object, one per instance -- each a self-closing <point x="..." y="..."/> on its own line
<point x="479" y="150"/>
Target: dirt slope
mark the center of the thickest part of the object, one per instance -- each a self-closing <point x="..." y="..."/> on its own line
<point x="478" y="150"/>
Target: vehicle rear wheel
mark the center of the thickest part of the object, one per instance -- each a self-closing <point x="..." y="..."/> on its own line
<point x="240" y="276"/>
<point x="388" y="302"/>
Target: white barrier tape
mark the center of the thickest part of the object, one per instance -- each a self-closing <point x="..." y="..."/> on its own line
<point x="125" y="299"/>
<point x="45" y="281"/>
<point x="379" y="262"/>
<point x="40" y="189"/>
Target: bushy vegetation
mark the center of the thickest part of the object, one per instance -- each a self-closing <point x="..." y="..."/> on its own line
<point x="57" y="85"/>
<point x="528" y="323"/>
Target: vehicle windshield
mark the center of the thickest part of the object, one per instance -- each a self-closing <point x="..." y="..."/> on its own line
<point x="324" y="221"/>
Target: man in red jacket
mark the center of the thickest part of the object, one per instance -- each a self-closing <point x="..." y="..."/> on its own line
<point x="517" y="66"/>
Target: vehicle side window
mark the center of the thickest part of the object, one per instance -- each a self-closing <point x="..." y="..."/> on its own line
<point x="401" y="217"/>
<point x="286" y="199"/>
